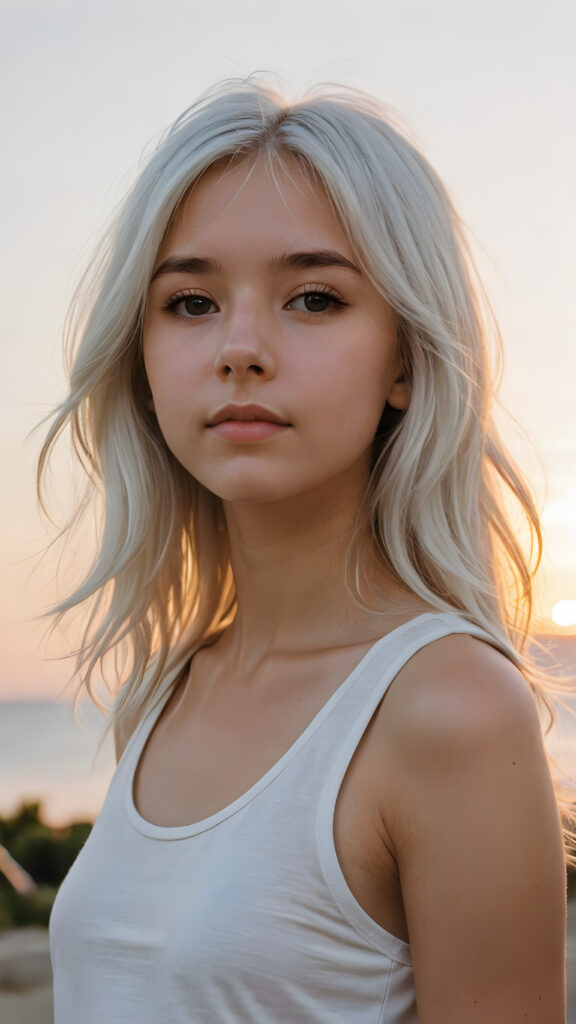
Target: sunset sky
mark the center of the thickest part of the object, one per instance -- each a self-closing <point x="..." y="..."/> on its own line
<point x="487" y="88"/>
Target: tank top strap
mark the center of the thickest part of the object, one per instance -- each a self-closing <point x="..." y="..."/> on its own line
<point x="352" y="716"/>
<point x="379" y="668"/>
<point x="137" y="740"/>
<point x="345" y="716"/>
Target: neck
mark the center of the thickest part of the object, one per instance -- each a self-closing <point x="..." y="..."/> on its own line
<point x="289" y="565"/>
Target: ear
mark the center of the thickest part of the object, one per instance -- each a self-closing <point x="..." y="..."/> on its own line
<point x="398" y="396"/>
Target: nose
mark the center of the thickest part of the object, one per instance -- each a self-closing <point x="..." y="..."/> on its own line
<point x="245" y="349"/>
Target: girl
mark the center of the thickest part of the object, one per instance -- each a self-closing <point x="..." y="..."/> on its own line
<point x="332" y="801"/>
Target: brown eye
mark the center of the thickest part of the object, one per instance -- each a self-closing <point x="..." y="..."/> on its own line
<point x="316" y="302"/>
<point x="190" y="305"/>
<point x="195" y="305"/>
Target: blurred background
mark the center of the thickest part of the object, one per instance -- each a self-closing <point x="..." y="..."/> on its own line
<point x="488" y="90"/>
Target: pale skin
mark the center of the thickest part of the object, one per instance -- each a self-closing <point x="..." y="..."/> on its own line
<point x="446" y="825"/>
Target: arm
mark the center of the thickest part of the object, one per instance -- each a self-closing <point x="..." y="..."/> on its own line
<point x="475" y="828"/>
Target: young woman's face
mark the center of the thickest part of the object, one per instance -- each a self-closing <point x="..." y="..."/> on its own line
<point x="256" y="301"/>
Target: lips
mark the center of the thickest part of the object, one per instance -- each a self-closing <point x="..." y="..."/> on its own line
<point x="246" y="414"/>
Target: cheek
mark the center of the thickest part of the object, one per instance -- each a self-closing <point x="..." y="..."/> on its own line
<point x="171" y="376"/>
<point x="163" y="365"/>
<point x="355" y="400"/>
<point x="170" y="402"/>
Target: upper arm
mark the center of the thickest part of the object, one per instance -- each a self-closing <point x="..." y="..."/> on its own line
<point x="477" y="837"/>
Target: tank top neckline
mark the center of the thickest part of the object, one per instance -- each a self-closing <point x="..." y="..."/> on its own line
<point x="176" y="832"/>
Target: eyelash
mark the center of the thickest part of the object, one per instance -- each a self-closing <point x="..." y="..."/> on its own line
<point x="337" y="304"/>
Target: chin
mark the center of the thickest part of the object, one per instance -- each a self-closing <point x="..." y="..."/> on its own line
<point x="257" y="495"/>
<point x="246" y="491"/>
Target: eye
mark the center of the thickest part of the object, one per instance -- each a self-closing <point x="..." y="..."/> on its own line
<point x="316" y="300"/>
<point x="189" y="305"/>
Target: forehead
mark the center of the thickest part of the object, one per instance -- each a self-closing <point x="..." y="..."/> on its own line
<point x="257" y="203"/>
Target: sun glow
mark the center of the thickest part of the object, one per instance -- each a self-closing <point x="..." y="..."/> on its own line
<point x="564" y="612"/>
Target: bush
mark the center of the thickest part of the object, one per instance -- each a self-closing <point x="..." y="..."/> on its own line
<point x="6" y="919"/>
<point x="34" y="908"/>
<point x="47" y="855"/>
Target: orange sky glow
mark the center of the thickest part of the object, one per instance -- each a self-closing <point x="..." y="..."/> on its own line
<point x="488" y="91"/>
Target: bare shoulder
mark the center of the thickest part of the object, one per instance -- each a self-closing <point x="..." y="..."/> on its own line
<point x="468" y="804"/>
<point x="456" y="691"/>
<point x="458" y="710"/>
<point x="459" y="714"/>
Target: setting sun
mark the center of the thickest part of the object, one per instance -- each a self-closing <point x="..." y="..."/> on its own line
<point x="564" y="612"/>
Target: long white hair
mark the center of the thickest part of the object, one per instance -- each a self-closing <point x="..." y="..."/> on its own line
<point x="441" y="486"/>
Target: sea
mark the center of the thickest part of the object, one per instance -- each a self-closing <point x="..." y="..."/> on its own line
<point x="49" y="755"/>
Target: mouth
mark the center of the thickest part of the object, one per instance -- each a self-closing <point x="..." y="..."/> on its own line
<point x="248" y="431"/>
<point x="246" y="414"/>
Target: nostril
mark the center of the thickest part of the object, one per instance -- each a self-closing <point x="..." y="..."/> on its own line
<point x="227" y="369"/>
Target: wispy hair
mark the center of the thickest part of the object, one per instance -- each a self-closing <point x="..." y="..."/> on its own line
<point x="442" y="483"/>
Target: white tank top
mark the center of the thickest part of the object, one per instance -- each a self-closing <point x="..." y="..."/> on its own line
<point x="244" y="917"/>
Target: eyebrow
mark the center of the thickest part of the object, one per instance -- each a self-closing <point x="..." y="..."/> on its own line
<point x="287" y="261"/>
